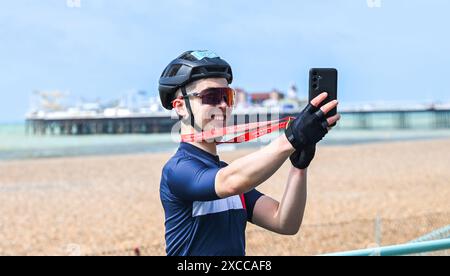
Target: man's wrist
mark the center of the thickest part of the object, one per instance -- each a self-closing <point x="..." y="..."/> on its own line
<point x="298" y="171"/>
<point x="285" y="145"/>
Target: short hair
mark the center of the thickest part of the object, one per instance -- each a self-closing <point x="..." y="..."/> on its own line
<point x="178" y="93"/>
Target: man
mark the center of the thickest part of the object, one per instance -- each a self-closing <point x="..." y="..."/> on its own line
<point x="207" y="202"/>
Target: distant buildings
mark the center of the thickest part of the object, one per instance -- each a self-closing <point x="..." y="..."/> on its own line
<point x="266" y="98"/>
<point x="138" y="102"/>
<point x="271" y="99"/>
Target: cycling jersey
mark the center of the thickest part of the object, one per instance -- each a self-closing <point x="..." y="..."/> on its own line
<point x="197" y="221"/>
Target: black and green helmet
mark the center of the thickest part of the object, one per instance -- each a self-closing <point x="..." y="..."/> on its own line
<point x="189" y="67"/>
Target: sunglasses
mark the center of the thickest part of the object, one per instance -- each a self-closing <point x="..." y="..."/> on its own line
<point x="214" y="96"/>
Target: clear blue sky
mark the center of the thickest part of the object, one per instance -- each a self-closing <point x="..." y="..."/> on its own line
<point x="397" y="52"/>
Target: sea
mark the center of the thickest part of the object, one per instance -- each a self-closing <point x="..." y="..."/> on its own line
<point x="16" y="143"/>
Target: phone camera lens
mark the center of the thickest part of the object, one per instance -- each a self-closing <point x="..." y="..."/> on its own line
<point x="315" y="86"/>
<point x="314" y="73"/>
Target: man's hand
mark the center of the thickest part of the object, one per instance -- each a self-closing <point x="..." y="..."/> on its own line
<point x="311" y="125"/>
<point x="303" y="157"/>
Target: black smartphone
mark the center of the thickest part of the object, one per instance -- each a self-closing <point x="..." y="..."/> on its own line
<point x="324" y="80"/>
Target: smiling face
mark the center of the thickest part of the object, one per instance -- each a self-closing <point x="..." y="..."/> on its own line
<point x="206" y="116"/>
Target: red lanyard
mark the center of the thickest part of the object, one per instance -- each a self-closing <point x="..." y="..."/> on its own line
<point x="251" y="131"/>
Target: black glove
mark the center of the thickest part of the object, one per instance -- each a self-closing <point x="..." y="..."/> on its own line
<point x="308" y="128"/>
<point x="302" y="158"/>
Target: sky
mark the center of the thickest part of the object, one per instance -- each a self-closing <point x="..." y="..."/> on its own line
<point x="385" y="50"/>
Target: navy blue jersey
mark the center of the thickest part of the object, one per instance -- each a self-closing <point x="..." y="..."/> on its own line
<point x="197" y="221"/>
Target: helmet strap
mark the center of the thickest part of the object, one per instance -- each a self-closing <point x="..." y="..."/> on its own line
<point x="189" y="109"/>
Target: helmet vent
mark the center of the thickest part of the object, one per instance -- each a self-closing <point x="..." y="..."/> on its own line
<point x="188" y="56"/>
<point x="172" y="71"/>
<point x="213" y="69"/>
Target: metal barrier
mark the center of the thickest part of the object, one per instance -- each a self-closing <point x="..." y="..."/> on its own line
<point x="441" y="233"/>
<point x="397" y="250"/>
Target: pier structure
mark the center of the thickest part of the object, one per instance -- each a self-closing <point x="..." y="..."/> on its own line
<point x="162" y="122"/>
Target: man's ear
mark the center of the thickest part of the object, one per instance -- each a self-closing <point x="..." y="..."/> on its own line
<point x="180" y="107"/>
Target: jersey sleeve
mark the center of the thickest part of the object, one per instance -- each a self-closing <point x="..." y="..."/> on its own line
<point x="250" y="200"/>
<point x="192" y="180"/>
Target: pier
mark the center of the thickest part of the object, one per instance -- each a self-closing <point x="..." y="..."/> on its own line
<point x="163" y="123"/>
<point x="91" y="125"/>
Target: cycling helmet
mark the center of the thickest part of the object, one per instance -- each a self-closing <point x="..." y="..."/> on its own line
<point x="189" y="67"/>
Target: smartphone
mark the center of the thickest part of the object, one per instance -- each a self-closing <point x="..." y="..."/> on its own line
<point x="324" y="80"/>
